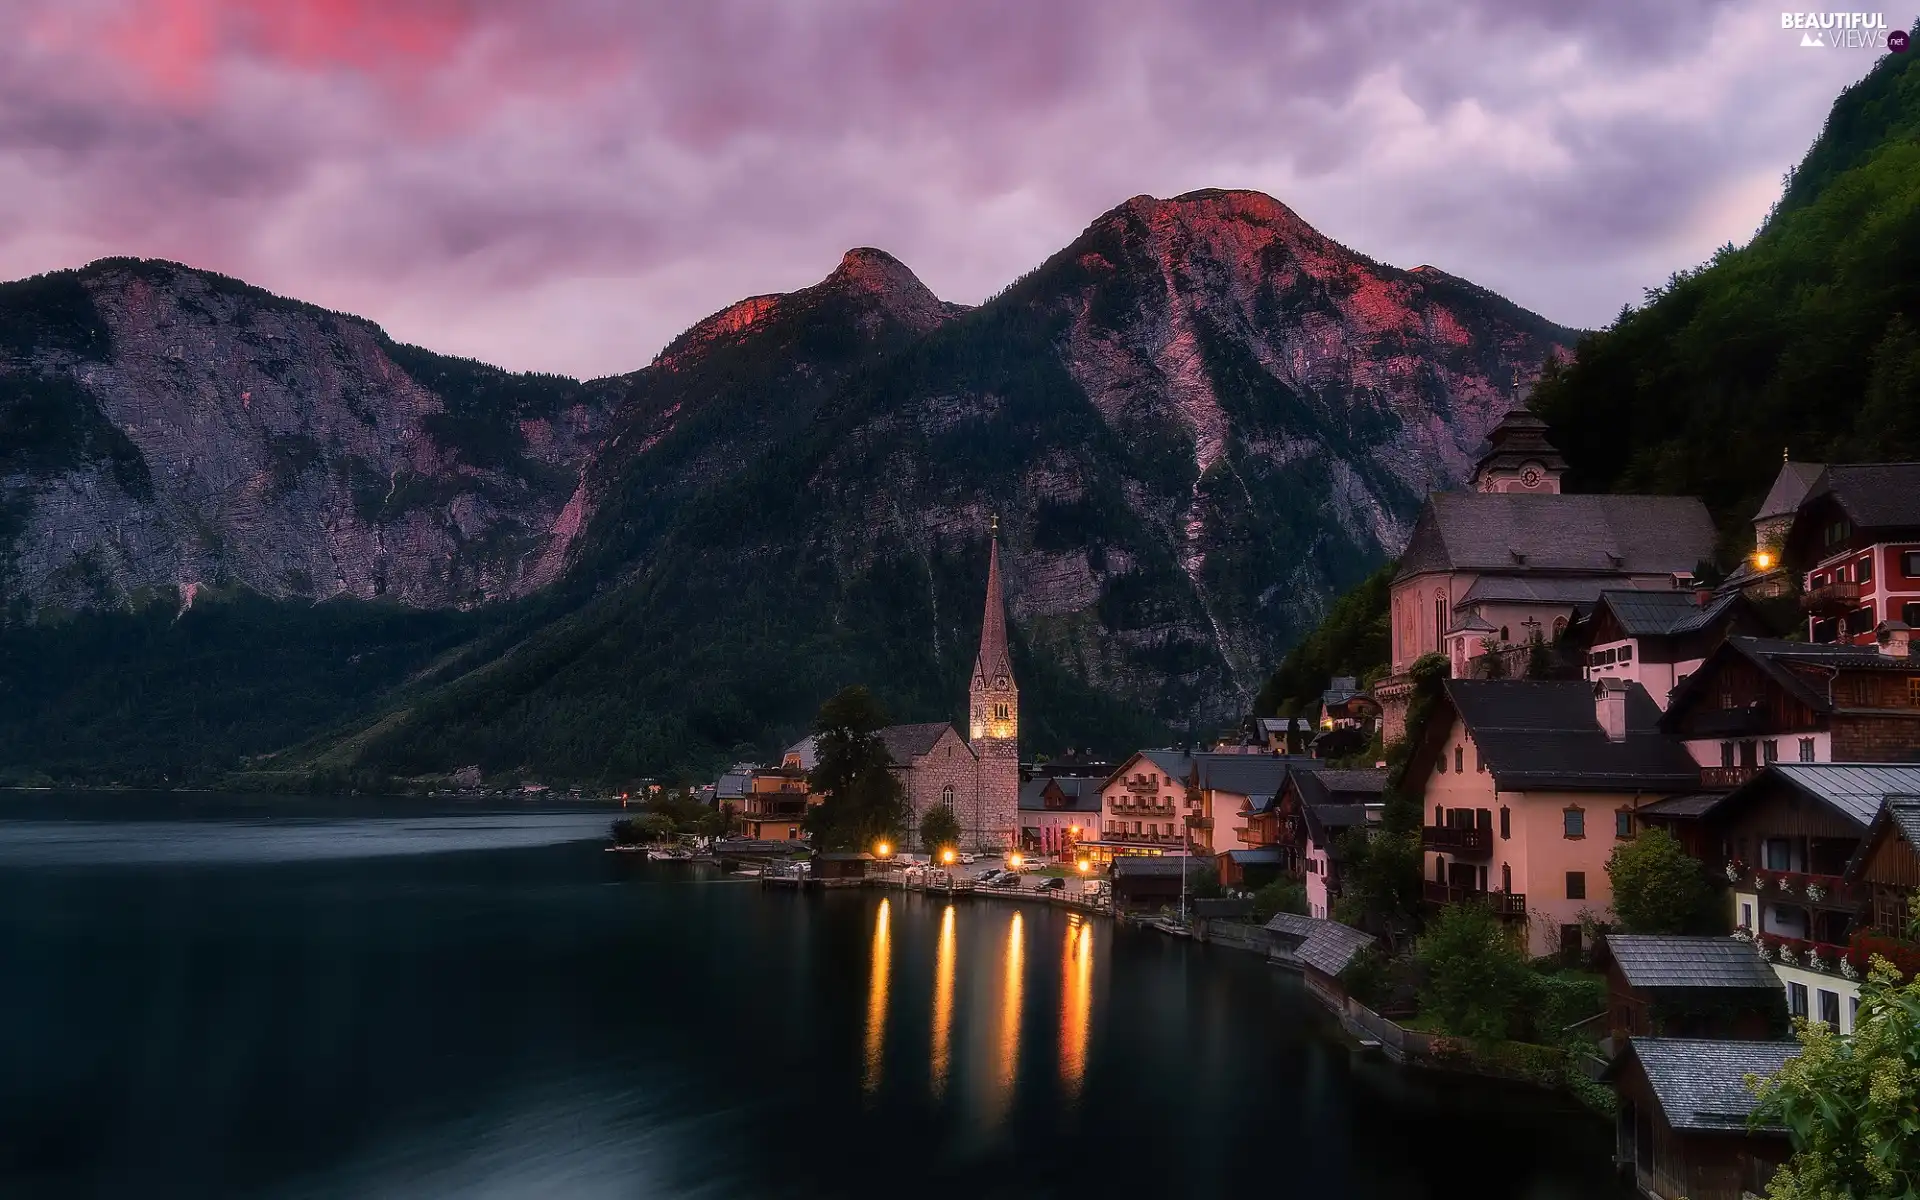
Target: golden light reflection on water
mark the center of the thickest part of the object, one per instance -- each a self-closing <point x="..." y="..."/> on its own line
<point x="943" y="1003"/>
<point x="877" y="997"/>
<point x="1010" y="988"/>
<point x="1076" y="1002"/>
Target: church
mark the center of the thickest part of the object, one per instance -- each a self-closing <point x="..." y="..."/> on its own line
<point x="978" y="776"/>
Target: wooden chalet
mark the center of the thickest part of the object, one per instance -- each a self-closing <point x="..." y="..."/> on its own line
<point x="1886" y="868"/>
<point x="1661" y="985"/>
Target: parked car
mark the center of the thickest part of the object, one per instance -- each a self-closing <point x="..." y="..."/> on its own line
<point x="1008" y="879"/>
<point x="989" y="878"/>
<point x="1053" y="884"/>
<point x="967" y="860"/>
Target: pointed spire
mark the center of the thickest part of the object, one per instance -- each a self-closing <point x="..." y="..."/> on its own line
<point x="993" y="661"/>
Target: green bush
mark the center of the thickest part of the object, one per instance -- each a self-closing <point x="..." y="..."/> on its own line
<point x="1477" y="978"/>
<point x="1283" y="895"/>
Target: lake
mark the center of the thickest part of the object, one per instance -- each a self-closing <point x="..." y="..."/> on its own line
<point x="224" y="996"/>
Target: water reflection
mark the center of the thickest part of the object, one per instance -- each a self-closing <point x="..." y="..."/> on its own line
<point x="1010" y="991"/>
<point x="1076" y="1003"/>
<point x="943" y="1003"/>
<point x="877" y="997"/>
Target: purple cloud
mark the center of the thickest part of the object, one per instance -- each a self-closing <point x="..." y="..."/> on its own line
<point x="565" y="185"/>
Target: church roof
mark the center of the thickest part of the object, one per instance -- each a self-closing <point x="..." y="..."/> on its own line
<point x="905" y="743"/>
<point x="1873" y="495"/>
<point x="993" y="660"/>
<point x="1519" y="438"/>
<point x="1520" y="534"/>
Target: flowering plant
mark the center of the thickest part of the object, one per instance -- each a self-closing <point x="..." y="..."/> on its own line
<point x="1787" y="955"/>
<point x="1814" y="961"/>
<point x="1735" y="869"/>
<point x="1847" y="969"/>
<point x="1742" y="933"/>
<point x="1816" y="893"/>
<point x="1764" y="948"/>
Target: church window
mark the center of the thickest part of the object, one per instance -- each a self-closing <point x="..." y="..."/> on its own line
<point x="946" y="796"/>
<point x="1439" y="617"/>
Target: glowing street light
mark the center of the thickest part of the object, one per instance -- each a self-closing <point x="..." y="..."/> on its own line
<point x="883" y="849"/>
<point x="1014" y="860"/>
<point x="1084" y="866"/>
<point x="1762" y="560"/>
<point x="947" y="856"/>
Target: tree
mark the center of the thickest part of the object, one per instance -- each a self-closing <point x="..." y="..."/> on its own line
<point x="1851" y="1104"/>
<point x="1380" y="880"/>
<point x="1477" y="977"/>
<point x="648" y="827"/>
<point x="1283" y="895"/>
<point x="939" y="830"/>
<point x="863" y="803"/>
<point x="1658" y="887"/>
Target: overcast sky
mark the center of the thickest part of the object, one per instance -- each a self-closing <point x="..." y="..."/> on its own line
<point x="565" y="184"/>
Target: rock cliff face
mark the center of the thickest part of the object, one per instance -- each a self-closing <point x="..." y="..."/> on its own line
<point x="1197" y="423"/>
<point x="176" y="429"/>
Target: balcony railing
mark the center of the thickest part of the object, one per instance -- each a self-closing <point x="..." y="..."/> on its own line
<point x="1504" y="904"/>
<point x="1457" y="839"/>
<point x="1832" y="599"/>
<point x="1800" y="887"/>
<point x="1727" y="778"/>
<point x="1253" y="837"/>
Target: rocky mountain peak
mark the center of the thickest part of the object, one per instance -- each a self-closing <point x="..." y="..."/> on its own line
<point x="880" y="278"/>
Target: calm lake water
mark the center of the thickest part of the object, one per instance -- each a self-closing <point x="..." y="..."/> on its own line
<point x="283" y="999"/>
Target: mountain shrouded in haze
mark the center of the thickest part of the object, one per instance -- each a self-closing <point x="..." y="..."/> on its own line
<point x="1196" y="423"/>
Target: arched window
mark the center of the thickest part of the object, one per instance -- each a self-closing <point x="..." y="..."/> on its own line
<point x="946" y="796"/>
<point x="1559" y="627"/>
<point x="1503" y="634"/>
<point x="1439" y="619"/>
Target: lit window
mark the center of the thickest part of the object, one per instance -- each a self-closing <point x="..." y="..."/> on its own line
<point x="1574" y="823"/>
<point x="1913" y="690"/>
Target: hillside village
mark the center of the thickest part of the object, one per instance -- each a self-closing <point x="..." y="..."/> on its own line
<point x="1566" y="685"/>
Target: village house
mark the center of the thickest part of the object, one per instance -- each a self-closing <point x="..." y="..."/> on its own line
<point x="1756" y="701"/>
<point x="1322" y="950"/>
<point x="1683" y="1127"/>
<point x="1765" y="572"/>
<point x="1057" y="813"/>
<point x="1489" y="571"/>
<point x="1528" y="786"/>
<point x="1147" y="884"/>
<point x="1348" y="717"/>
<point x="1856" y="537"/>
<point x="1307" y="821"/>
<point x="1786" y="840"/>
<point x="1144" y="806"/>
<point x="1661" y="985"/>
<point x="1223" y="786"/>
<point x="774" y="804"/>
<point x="1657" y="639"/>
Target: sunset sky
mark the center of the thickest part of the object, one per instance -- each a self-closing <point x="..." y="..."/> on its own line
<point x="564" y="185"/>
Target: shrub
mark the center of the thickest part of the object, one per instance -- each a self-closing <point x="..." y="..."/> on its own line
<point x="1477" y="978"/>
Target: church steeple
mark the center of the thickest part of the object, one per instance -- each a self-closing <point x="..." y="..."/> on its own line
<point x="994" y="700"/>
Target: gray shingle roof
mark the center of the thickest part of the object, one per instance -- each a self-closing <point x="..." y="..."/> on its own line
<point x="1775" y="659"/>
<point x="1675" y="961"/>
<point x="1514" y="534"/>
<point x="734" y="783"/>
<point x="1256" y="856"/>
<point x="1790" y="487"/>
<point x="1701" y="1084"/>
<point x="1901" y="812"/>
<point x="1326" y="946"/>
<point x="1545" y="734"/>
<point x="1874" y="495"/>
<point x="1344" y="786"/>
<point x="1855" y="790"/>
<point x="1549" y="589"/>
<point x="1141" y="866"/>
<point x="1326" y="821"/>
<point x="1691" y="804"/>
<point x="1649" y="613"/>
<point x="905" y="743"/>
<point x="1250" y="774"/>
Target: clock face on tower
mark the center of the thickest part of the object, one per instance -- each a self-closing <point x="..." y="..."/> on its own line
<point x="1530" y="476"/>
<point x="1000" y="682"/>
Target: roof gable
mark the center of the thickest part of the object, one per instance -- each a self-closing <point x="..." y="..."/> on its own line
<point x="1678" y="961"/>
<point x="1546" y="735"/>
<point x="905" y="743"/>
<point x="1873" y="495"/>
<point x="1701" y="1084"/>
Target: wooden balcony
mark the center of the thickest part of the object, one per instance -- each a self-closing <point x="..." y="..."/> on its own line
<point x="1253" y="837"/>
<point x="1457" y="839"/>
<point x="1504" y="904"/>
<point x="1725" y="779"/>
<point x="1832" y="599"/>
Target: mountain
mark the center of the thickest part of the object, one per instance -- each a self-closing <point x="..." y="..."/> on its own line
<point x="1805" y="340"/>
<point x="1196" y="423"/>
<point x="162" y="427"/>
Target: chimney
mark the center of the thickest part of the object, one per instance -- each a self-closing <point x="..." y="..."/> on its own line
<point x="1894" y="637"/>
<point x="1702" y="596"/>
<point x="1610" y="707"/>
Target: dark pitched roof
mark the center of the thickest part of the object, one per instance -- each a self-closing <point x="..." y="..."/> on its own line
<point x="905" y="743"/>
<point x="1083" y="794"/>
<point x="1520" y="437"/>
<point x="1545" y="734"/>
<point x="1250" y="774"/>
<point x="1515" y="534"/>
<point x="1674" y="961"/>
<point x="1899" y="812"/>
<point x="1854" y="790"/>
<point x="1326" y="946"/>
<point x="1701" y="1084"/>
<point x="1256" y="856"/>
<point x="1873" y="495"/>
<point x="1789" y="488"/>
<point x="1342" y="689"/>
<point x="735" y="783"/>
<point x="1663" y="613"/>
<point x="1174" y="764"/>
<point x="1544" y="589"/>
<point x="1359" y="786"/>
<point x="1686" y="806"/>
<point x="1326" y="821"/>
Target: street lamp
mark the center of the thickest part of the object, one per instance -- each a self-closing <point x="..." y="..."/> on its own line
<point x="1014" y="860"/>
<point x="1762" y="561"/>
<point x="882" y="849"/>
<point x="947" y="856"/>
<point x="1084" y="866"/>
